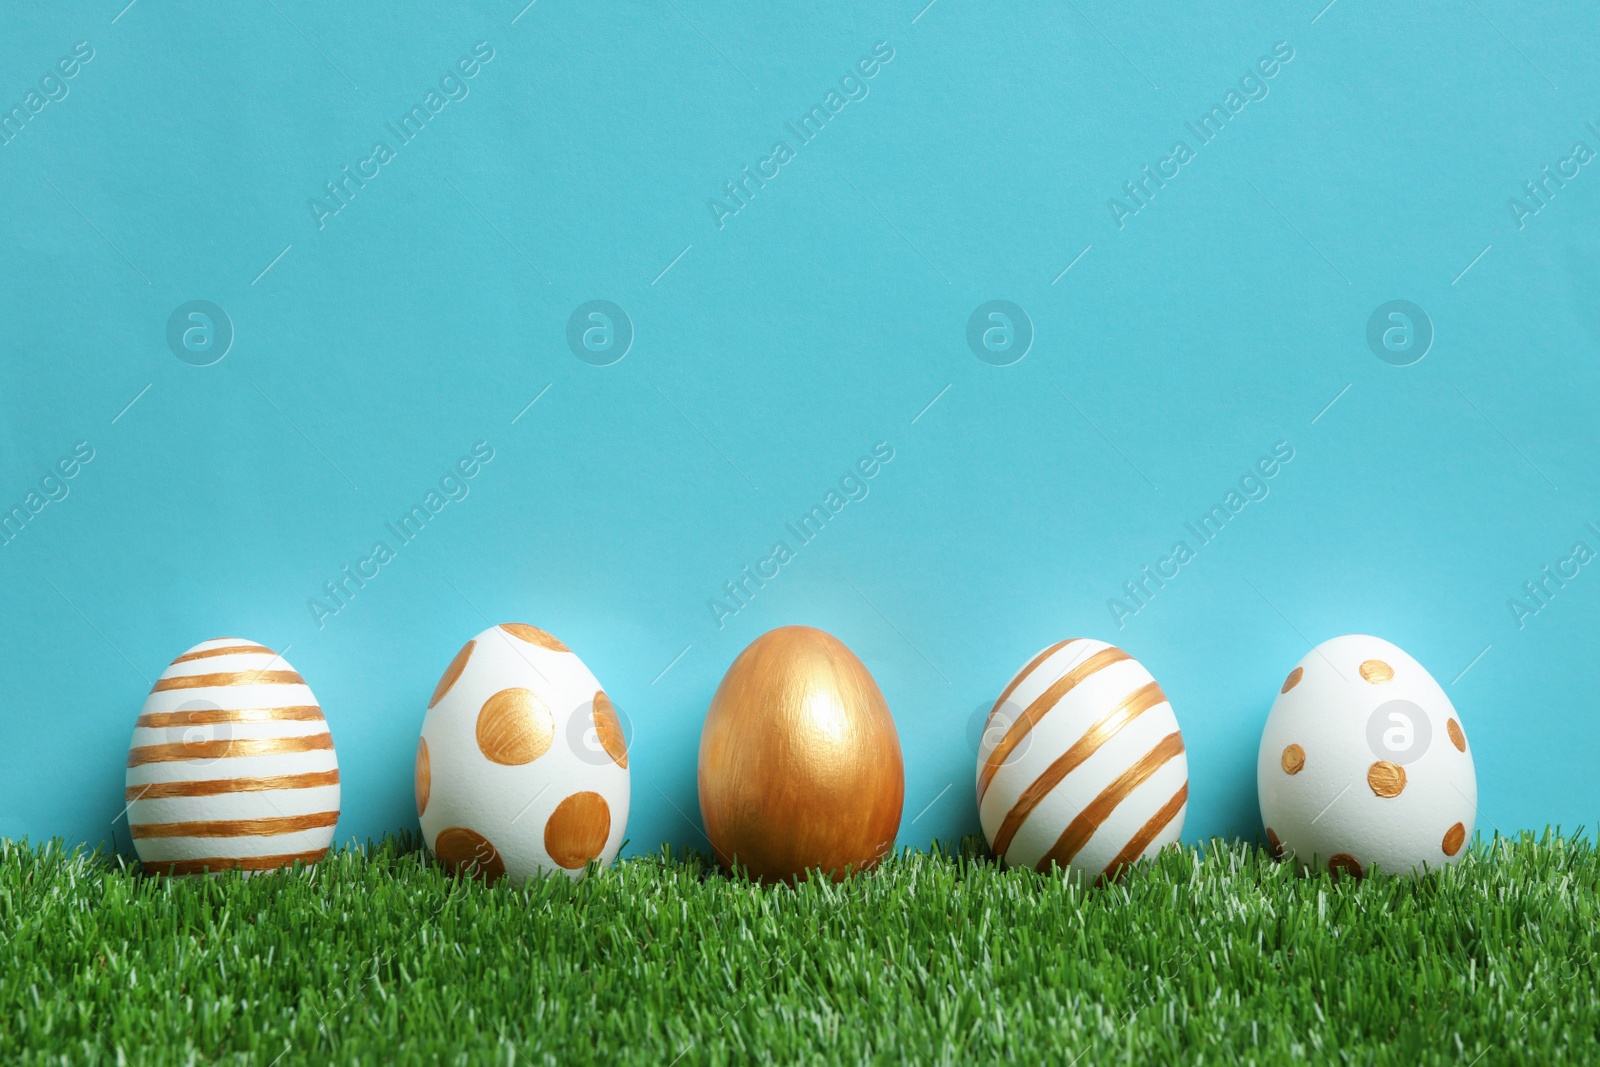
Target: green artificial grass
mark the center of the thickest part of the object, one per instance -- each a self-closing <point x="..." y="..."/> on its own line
<point x="1203" y="956"/>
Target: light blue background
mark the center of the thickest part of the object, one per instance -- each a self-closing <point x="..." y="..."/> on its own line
<point x="824" y="317"/>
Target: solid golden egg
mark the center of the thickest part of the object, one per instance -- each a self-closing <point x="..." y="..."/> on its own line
<point x="800" y="763"/>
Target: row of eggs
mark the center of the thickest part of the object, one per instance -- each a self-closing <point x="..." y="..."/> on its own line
<point x="522" y="765"/>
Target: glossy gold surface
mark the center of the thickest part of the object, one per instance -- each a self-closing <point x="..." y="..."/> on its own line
<point x="211" y="787"/>
<point x="576" y="831"/>
<point x="423" y="777"/>
<point x="469" y="853"/>
<point x="1137" y="703"/>
<point x="209" y="716"/>
<point x="452" y="672"/>
<point x="265" y="746"/>
<point x="284" y="824"/>
<point x="205" y="681"/>
<point x="1376" y="671"/>
<point x="609" y="729"/>
<point x="1344" y="863"/>
<point x="535" y="636"/>
<point x="225" y="650"/>
<point x="1293" y="759"/>
<point x="800" y="763"/>
<point x="1386" y="779"/>
<point x="1147" y="833"/>
<point x="1041" y="707"/>
<point x="1098" y="810"/>
<point x="515" y="727"/>
<point x="229" y="863"/>
<point x="1025" y="673"/>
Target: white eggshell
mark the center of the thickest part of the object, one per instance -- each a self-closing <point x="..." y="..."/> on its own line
<point x="231" y="765"/>
<point x="1081" y="763"/>
<point x="521" y="767"/>
<point x="1364" y="761"/>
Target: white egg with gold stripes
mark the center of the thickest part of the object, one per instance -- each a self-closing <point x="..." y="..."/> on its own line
<point x="232" y="765"/>
<point x="1081" y="764"/>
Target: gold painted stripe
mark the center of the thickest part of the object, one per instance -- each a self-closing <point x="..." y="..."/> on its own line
<point x="207" y="653"/>
<point x="265" y="746"/>
<point x="207" y="716"/>
<point x="1039" y="708"/>
<point x="1147" y="833"/>
<point x="218" y="786"/>
<point x="225" y="863"/>
<point x="1079" y="830"/>
<point x="1137" y="703"/>
<point x="284" y="824"/>
<point x="1024" y="674"/>
<point x="203" y="681"/>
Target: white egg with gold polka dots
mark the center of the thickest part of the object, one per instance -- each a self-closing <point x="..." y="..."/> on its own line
<point x="522" y="766"/>
<point x="1364" y="764"/>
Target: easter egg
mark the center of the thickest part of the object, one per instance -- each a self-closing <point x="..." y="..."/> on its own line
<point x="800" y="763"/>
<point x="522" y="766"/>
<point x="1081" y="764"/>
<point x="232" y="766"/>
<point x="1364" y="763"/>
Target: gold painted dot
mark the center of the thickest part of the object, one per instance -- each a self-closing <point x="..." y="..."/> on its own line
<point x="577" y="830"/>
<point x="1344" y="863"/>
<point x="1376" y="671"/>
<point x="470" y="853"/>
<point x="424" y="777"/>
<point x="1274" y="846"/>
<point x="609" y="729"/>
<point x="1453" y="837"/>
<point x="1294" y="758"/>
<point x="1457" y="738"/>
<point x="1293" y="679"/>
<point x="1386" y="779"/>
<point x="535" y="636"/>
<point x="515" y="727"/>
<point x="452" y="672"/>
